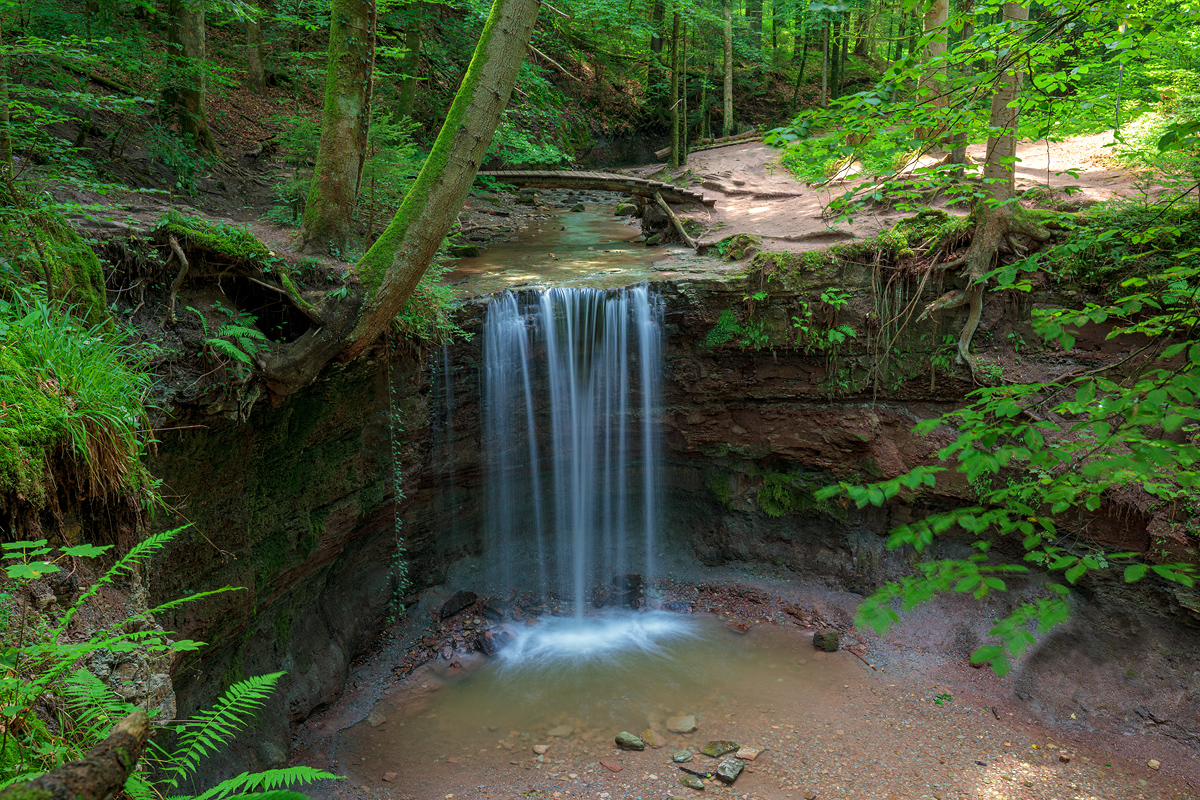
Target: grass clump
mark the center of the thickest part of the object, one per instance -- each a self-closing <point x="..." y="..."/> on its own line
<point x="71" y="386"/>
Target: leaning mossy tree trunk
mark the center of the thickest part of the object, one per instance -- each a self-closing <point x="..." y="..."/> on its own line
<point x="185" y="85"/>
<point x="390" y="270"/>
<point x="345" y="125"/>
<point x="99" y="775"/>
<point x="998" y="217"/>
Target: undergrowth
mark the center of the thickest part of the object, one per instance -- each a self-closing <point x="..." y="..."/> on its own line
<point x="70" y="385"/>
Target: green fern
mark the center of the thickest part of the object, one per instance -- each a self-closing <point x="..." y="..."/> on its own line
<point x="228" y="349"/>
<point x="94" y="705"/>
<point x="267" y="780"/>
<point x="216" y="727"/>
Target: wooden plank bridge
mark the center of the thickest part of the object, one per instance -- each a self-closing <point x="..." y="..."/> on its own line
<point x="599" y="181"/>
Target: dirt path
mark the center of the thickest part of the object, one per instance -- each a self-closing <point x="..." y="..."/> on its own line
<point x="756" y="195"/>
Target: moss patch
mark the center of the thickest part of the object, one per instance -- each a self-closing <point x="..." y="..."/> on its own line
<point x="232" y="242"/>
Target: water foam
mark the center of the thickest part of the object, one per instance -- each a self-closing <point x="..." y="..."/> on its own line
<point x="556" y="643"/>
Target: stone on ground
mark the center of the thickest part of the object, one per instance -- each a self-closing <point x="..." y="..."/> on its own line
<point x="692" y="782"/>
<point x="683" y="724"/>
<point x="627" y="741"/>
<point x="626" y="210"/>
<point x="748" y="753"/>
<point x="541" y="749"/>
<point x="561" y="730"/>
<point x="682" y="757"/>
<point x="375" y="719"/>
<point x="719" y="747"/>
<point x="729" y="769"/>
<point x="653" y="738"/>
<point x="826" y="640"/>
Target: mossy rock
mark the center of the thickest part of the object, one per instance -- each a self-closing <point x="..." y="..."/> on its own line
<point x="739" y="246"/>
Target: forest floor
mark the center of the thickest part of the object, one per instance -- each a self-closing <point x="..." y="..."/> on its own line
<point x="895" y="718"/>
<point x="755" y="194"/>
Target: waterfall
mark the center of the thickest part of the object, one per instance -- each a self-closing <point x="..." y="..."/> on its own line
<point x="571" y="440"/>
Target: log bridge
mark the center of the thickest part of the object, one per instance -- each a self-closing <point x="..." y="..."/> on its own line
<point x="598" y="181"/>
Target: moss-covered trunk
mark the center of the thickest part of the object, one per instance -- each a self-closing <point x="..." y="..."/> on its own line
<point x="185" y="90"/>
<point x="390" y="270"/>
<point x="345" y="125"/>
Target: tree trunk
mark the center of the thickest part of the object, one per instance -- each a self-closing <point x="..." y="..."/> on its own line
<point x="800" y="73"/>
<point x="676" y="47"/>
<point x="655" y="85"/>
<point x="392" y="267"/>
<point x="933" y="79"/>
<point x="185" y="91"/>
<point x="996" y="214"/>
<point x="958" y="142"/>
<point x="825" y="68"/>
<point x="727" y="123"/>
<point x="754" y="16"/>
<point x="344" y="127"/>
<point x="410" y="64"/>
<point x="256" y="77"/>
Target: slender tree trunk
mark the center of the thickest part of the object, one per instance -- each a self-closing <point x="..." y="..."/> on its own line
<point x="754" y="16"/>
<point x="185" y="91"/>
<point x="683" y="97"/>
<point x="958" y="142"/>
<point x="256" y="77"/>
<point x="825" y="68"/>
<point x="410" y="64"/>
<point x="345" y="125"/>
<point x="6" y="145"/>
<point x="676" y="46"/>
<point x="727" y="122"/>
<point x="844" y="57"/>
<point x="800" y="73"/>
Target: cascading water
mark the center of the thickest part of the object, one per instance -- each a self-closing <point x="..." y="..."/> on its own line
<point x="571" y="393"/>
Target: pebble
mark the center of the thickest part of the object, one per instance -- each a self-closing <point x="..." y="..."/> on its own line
<point x="692" y="782"/>
<point x="750" y="753"/>
<point x="729" y="769"/>
<point x="541" y="749"/>
<point x="719" y="748"/>
<point x="653" y="738"/>
<point x="1152" y="764"/>
<point x="682" y="757"/>
<point x="389" y="776"/>
<point x="375" y="719"/>
<point x="611" y="766"/>
<point x="561" y="730"/>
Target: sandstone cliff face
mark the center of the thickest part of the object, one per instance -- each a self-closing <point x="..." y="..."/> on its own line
<point x="298" y="504"/>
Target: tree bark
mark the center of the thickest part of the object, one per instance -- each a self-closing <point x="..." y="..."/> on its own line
<point x="185" y="89"/>
<point x="656" y="89"/>
<point x="933" y="79"/>
<point x="676" y="48"/>
<point x="409" y="64"/>
<point x="754" y="16"/>
<point x="256" y="77"/>
<point x="727" y="123"/>
<point x="825" y="68"/>
<point x="345" y="126"/>
<point x="99" y="775"/>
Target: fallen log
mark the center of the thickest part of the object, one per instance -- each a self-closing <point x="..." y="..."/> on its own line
<point x="98" y="775"/>
<point x="708" y="144"/>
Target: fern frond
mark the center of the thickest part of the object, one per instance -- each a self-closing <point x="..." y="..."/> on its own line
<point x="94" y="704"/>
<point x="271" y="796"/>
<point x="215" y="727"/>
<point x="137" y="787"/>
<point x="233" y="331"/>
<point x="140" y="551"/>
<point x="267" y="780"/>
<point x="228" y="349"/>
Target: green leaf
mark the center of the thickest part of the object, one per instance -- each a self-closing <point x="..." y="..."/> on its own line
<point x="1075" y="572"/>
<point x="86" y="550"/>
<point x="1134" y="572"/>
<point x="31" y="571"/>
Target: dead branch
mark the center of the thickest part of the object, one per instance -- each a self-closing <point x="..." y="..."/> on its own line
<point x="689" y="241"/>
<point x="99" y="775"/>
<point x="175" y="284"/>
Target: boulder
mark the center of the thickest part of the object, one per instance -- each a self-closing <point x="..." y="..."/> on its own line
<point x="626" y="210"/>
